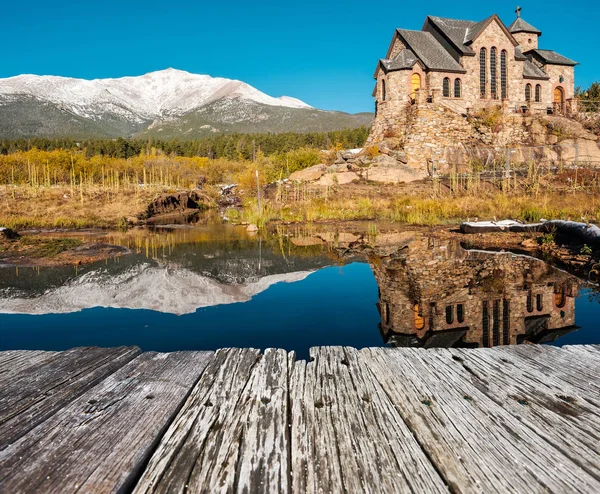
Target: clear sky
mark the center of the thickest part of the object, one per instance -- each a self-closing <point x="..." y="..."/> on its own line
<point x="323" y="52"/>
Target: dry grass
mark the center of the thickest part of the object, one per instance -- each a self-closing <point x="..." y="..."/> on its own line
<point x="55" y="207"/>
<point x="429" y="210"/>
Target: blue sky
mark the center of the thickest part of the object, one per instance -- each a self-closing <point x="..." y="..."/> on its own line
<point x="323" y="52"/>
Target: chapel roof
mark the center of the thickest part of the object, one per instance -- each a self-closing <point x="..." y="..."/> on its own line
<point x="406" y="59"/>
<point x="519" y="54"/>
<point x="429" y="51"/>
<point x="532" y="71"/>
<point x="551" y="57"/>
<point x="461" y="33"/>
<point x="455" y="30"/>
<point x="521" y="26"/>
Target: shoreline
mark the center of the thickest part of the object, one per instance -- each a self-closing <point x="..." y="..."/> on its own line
<point x="71" y="247"/>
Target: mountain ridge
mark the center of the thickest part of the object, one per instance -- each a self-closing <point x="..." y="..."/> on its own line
<point x="147" y="105"/>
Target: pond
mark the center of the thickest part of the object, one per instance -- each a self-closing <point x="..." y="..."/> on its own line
<point x="207" y="286"/>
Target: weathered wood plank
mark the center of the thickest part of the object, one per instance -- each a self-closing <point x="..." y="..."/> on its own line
<point x="13" y="362"/>
<point x="232" y="434"/>
<point x="39" y="390"/>
<point x="346" y="433"/>
<point x="212" y="440"/>
<point x="587" y="351"/>
<point x="315" y="460"/>
<point x="475" y="444"/>
<point x="550" y="408"/>
<point x="581" y="372"/>
<point x="100" y="441"/>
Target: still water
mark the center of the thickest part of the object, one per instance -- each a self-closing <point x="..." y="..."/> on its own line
<point x="203" y="287"/>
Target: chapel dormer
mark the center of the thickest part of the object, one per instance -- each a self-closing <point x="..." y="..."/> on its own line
<point x="525" y="34"/>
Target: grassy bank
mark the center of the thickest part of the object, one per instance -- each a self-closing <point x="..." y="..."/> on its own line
<point x="413" y="210"/>
<point x="57" y="207"/>
<point x="67" y="189"/>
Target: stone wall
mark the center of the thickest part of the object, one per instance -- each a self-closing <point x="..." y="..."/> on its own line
<point x="528" y="41"/>
<point x="556" y="72"/>
<point x="435" y="128"/>
<point x="493" y="36"/>
<point x="391" y="112"/>
<point x="432" y="133"/>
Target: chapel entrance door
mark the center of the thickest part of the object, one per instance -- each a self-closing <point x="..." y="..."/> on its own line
<point x="559" y="99"/>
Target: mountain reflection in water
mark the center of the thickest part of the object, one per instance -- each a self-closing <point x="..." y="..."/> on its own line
<point x="226" y="288"/>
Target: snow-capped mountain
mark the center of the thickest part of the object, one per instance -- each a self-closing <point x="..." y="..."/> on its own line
<point x="32" y="105"/>
<point x="159" y="94"/>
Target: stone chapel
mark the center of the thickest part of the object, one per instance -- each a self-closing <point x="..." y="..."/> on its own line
<point x="475" y="63"/>
<point x="452" y="68"/>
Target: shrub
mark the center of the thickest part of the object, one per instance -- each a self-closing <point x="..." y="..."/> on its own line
<point x="490" y="117"/>
<point x="372" y="151"/>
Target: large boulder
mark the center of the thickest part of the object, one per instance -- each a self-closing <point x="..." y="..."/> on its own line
<point x="308" y="174"/>
<point x="175" y="203"/>
<point x="585" y="150"/>
<point x="338" y="178"/>
<point x="387" y="169"/>
<point x="567" y="127"/>
<point x="337" y="168"/>
<point x="392" y="175"/>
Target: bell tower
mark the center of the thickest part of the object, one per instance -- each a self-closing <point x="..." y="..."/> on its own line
<point x="525" y="34"/>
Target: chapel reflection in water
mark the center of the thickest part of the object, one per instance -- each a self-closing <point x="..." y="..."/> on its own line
<point x="435" y="294"/>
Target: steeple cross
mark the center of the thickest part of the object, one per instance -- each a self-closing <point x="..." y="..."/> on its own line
<point x="518" y="11"/>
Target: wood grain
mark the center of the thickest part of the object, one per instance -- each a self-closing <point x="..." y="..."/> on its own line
<point x="507" y="419"/>
<point x="347" y="435"/>
<point x="49" y="381"/>
<point x="101" y="440"/>
<point x="476" y="444"/>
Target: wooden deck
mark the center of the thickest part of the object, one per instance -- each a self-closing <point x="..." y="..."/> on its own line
<point x="509" y="419"/>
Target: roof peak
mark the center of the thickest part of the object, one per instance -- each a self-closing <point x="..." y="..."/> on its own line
<point x="519" y="25"/>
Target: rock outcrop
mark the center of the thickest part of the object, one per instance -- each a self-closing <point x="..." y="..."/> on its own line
<point x="308" y="174"/>
<point x="175" y="203"/>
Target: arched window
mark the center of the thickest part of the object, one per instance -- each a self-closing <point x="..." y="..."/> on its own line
<point x="419" y="319"/>
<point x="528" y="92"/>
<point x="446" y="87"/>
<point x="485" y="324"/>
<point x="460" y="313"/>
<point x="559" y="296"/>
<point x="493" y="77"/>
<point x="506" y="323"/>
<point x="503" y="74"/>
<point x="529" y="302"/>
<point x="482" y="75"/>
<point x="449" y="314"/>
<point x="496" y="323"/>
<point x="539" y="302"/>
<point x="538" y="93"/>
<point x="457" y="88"/>
<point x="383" y="90"/>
